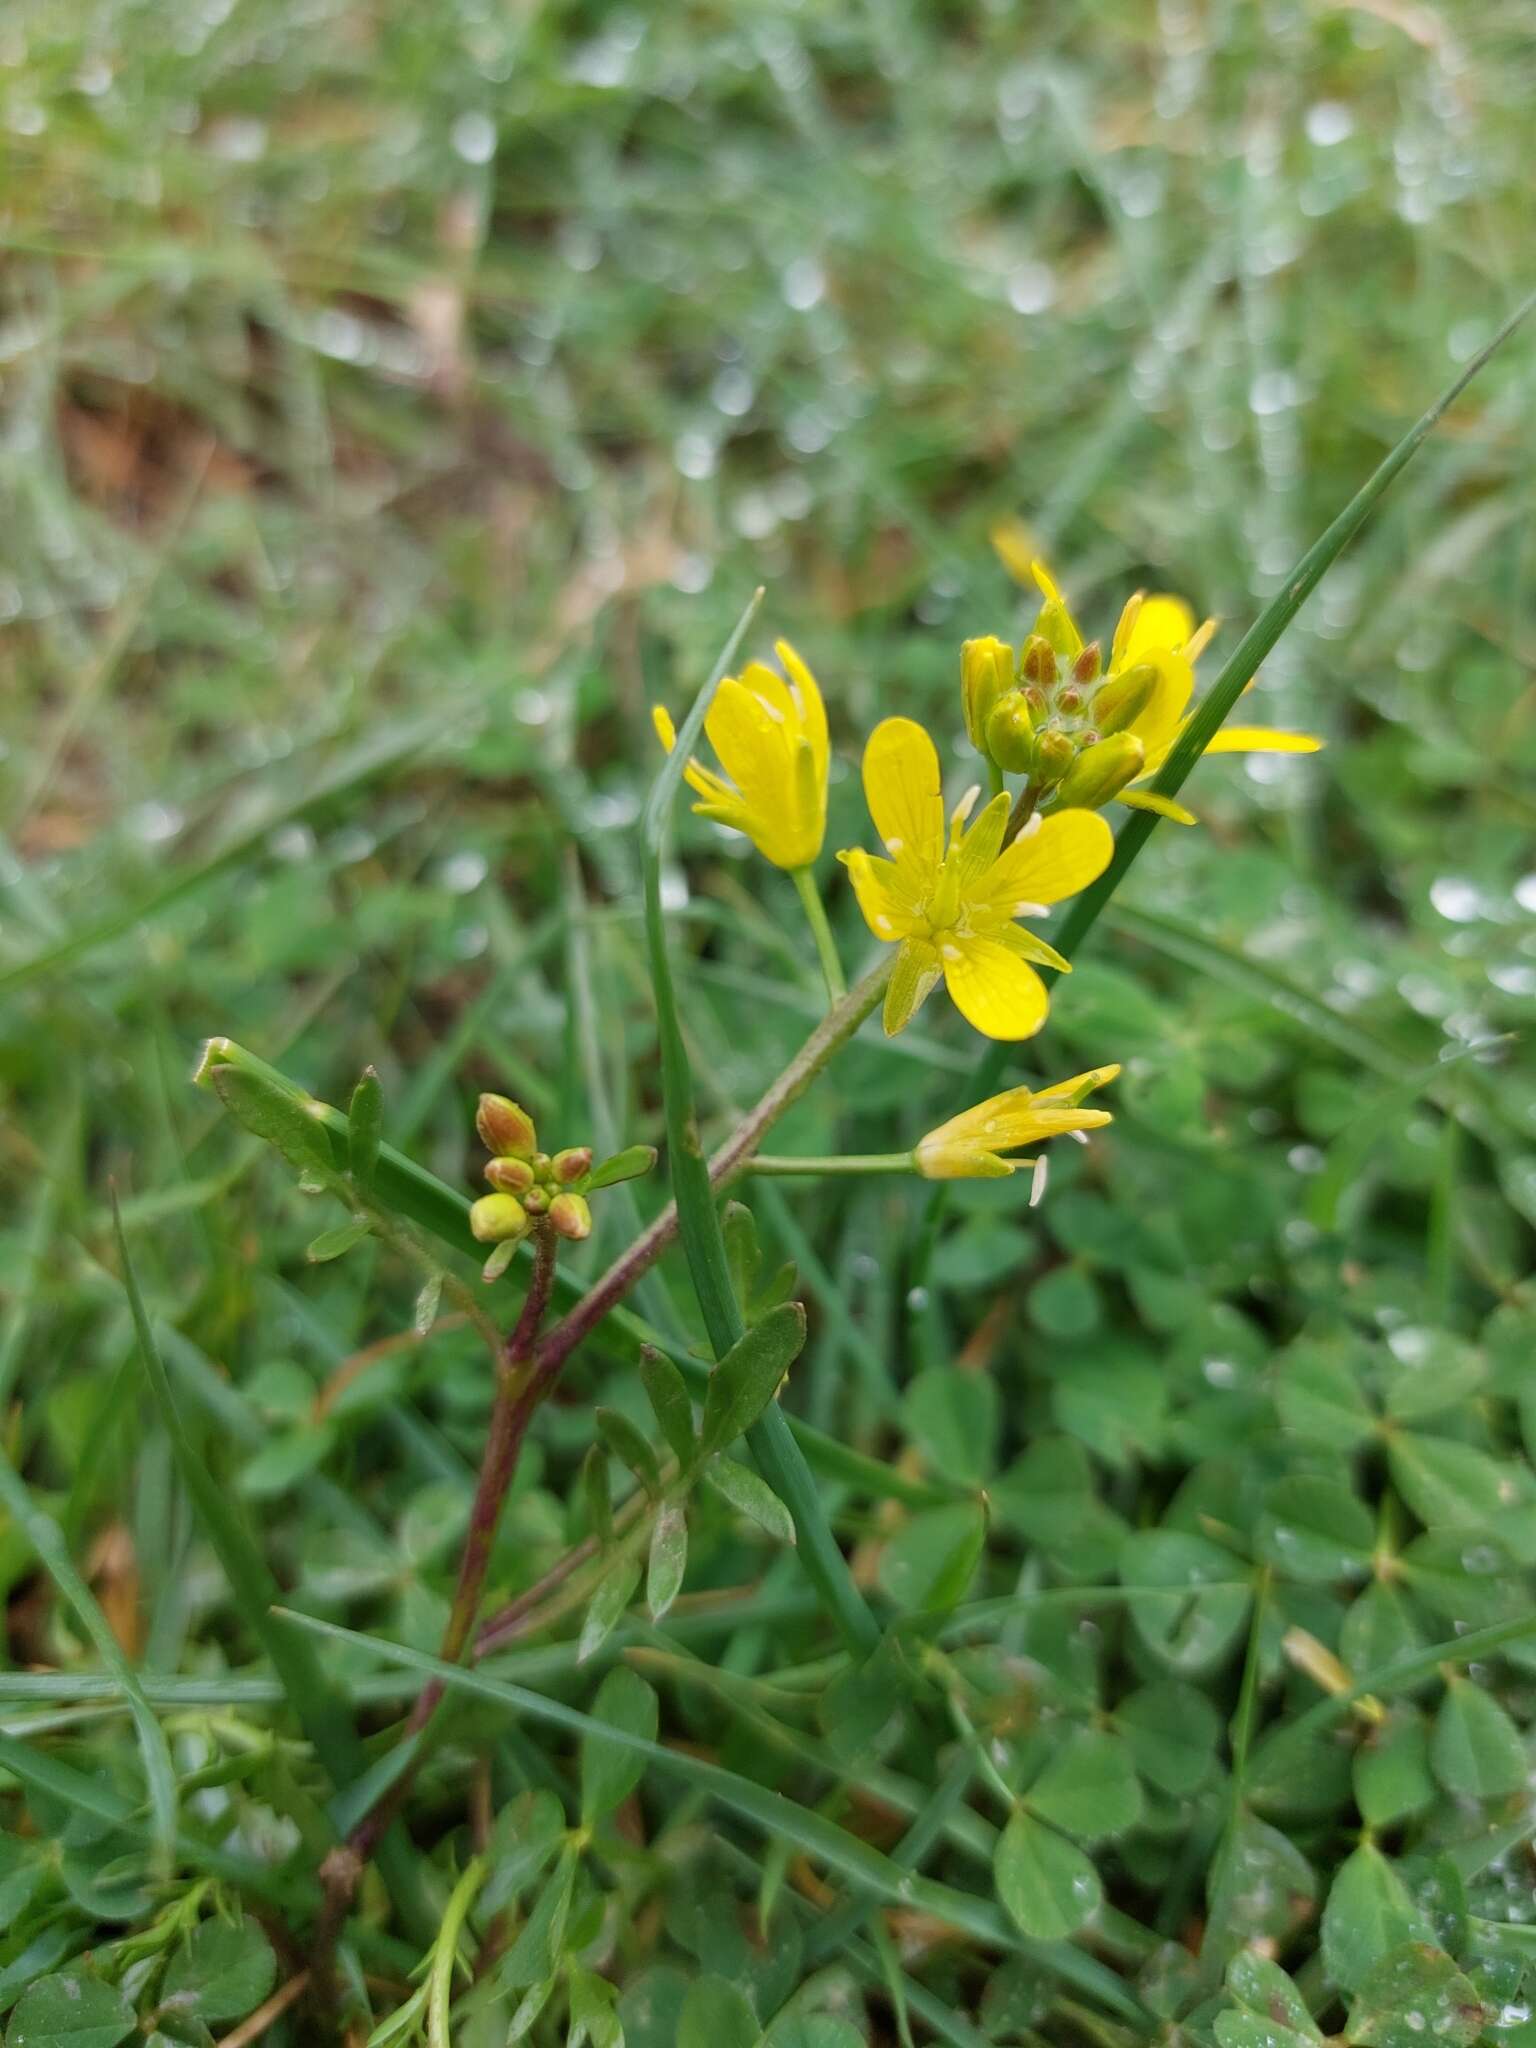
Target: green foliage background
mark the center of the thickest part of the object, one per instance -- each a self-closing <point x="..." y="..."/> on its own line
<point x="394" y="402"/>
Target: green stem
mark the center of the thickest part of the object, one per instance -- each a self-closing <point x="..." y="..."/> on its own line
<point x="816" y="917"/>
<point x="995" y="783"/>
<point x="842" y="1162"/>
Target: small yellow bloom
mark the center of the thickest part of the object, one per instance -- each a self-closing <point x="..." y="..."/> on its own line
<point x="1151" y="666"/>
<point x="967" y="1147"/>
<point x="771" y="737"/>
<point x="951" y="906"/>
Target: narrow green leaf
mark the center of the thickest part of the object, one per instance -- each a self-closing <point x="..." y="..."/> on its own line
<point x="277" y="1117"/>
<point x="626" y="1165"/>
<point x="365" y="1128"/>
<point x="597" y="1492"/>
<point x="668" y="1558"/>
<point x="668" y="1395"/>
<point x="746" y="1379"/>
<point x="752" y="1497"/>
<point x="630" y="1446"/>
<point x="607" y="1605"/>
<point x="335" y="1244"/>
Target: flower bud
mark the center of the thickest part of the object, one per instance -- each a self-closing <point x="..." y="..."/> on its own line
<point x="505" y="1128"/>
<point x="574" y="1163"/>
<point x="1070" y="700"/>
<point x="498" y="1219"/>
<point x="570" y="1216"/>
<point x="1053" y="756"/>
<point x="1037" y="664"/>
<point x="1122" y="700"/>
<point x="536" y="1201"/>
<point x="986" y="671"/>
<point x="1010" y="732"/>
<point x="1101" y="772"/>
<point x="511" y="1176"/>
<point x="1087" y="665"/>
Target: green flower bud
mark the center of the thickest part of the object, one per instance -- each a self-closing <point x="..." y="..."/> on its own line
<point x="511" y="1176"/>
<point x="498" y="1219"/>
<point x="986" y="671"/>
<point x="505" y="1128"/>
<point x="1053" y="756"/>
<point x="1010" y="732"/>
<point x="1100" y="772"/>
<point x="1087" y="665"/>
<point x="574" y="1163"/>
<point x="536" y="1201"/>
<point x="1124" y="697"/>
<point x="571" y="1217"/>
<point x="1037" y="664"/>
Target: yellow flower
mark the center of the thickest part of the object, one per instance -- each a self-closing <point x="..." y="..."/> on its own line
<point x="951" y="907"/>
<point x="1160" y="631"/>
<point x="967" y="1147"/>
<point x="771" y="737"/>
<point x="1142" y="701"/>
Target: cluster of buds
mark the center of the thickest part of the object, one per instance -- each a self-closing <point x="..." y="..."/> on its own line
<point x="1052" y="717"/>
<point x="530" y="1187"/>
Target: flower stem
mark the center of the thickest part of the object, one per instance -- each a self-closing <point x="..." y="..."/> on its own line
<point x="843" y="1162"/>
<point x="995" y="783"/>
<point x="816" y="916"/>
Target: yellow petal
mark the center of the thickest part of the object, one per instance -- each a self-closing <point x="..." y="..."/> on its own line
<point x="1262" y="739"/>
<point x="1062" y="855"/>
<point x="1157" y="724"/>
<point x="889" y="907"/>
<point x="1161" y="624"/>
<point x="1015" y="547"/>
<point x="719" y="797"/>
<point x="666" y="731"/>
<point x="1079" y="1086"/>
<point x="916" y="974"/>
<point x="813" y="712"/>
<point x="979" y="848"/>
<point x="904" y="791"/>
<point x="1164" y="806"/>
<point x="993" y="989"/>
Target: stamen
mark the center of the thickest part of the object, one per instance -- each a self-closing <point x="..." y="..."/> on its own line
<point x="964" y="808"/>
<point x="1037" y="1183"/>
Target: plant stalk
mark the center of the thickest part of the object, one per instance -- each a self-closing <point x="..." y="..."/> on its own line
<point x="821" y="931"/>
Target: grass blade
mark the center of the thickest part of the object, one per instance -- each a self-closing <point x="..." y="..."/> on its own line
<point x="1256" y="643"/>
<point x="47" y="1540"/>
<point x="774" y="1815"/>
<point x="771" y="1440"/>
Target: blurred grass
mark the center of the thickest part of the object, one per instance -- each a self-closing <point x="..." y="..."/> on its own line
<point x="394" y="402"/>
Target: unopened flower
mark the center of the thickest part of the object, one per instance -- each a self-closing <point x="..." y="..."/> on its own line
<point x="969" y="1146"/>
<point x="771" y="736"/>
<point x="570" y="1217"/>
<point x="505" y="1127"/>
<point x="951" y="906"/>
<point x="498" y="1219"/>
<point x="1141" y="703"/>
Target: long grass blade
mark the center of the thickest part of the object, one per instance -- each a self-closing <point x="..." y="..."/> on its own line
<point x="47" y="1540"/>
<point x="1256" y="643"/>
<point x="774" y="1815"/>
<point x="771" y="1441"/>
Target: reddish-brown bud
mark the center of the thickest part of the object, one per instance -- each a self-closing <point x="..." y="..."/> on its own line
<point x="512" y="1176"/>
<point x="570" y="1216"/>
<point x="574" y="1163"/>
<point x="504" y="1127"/>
